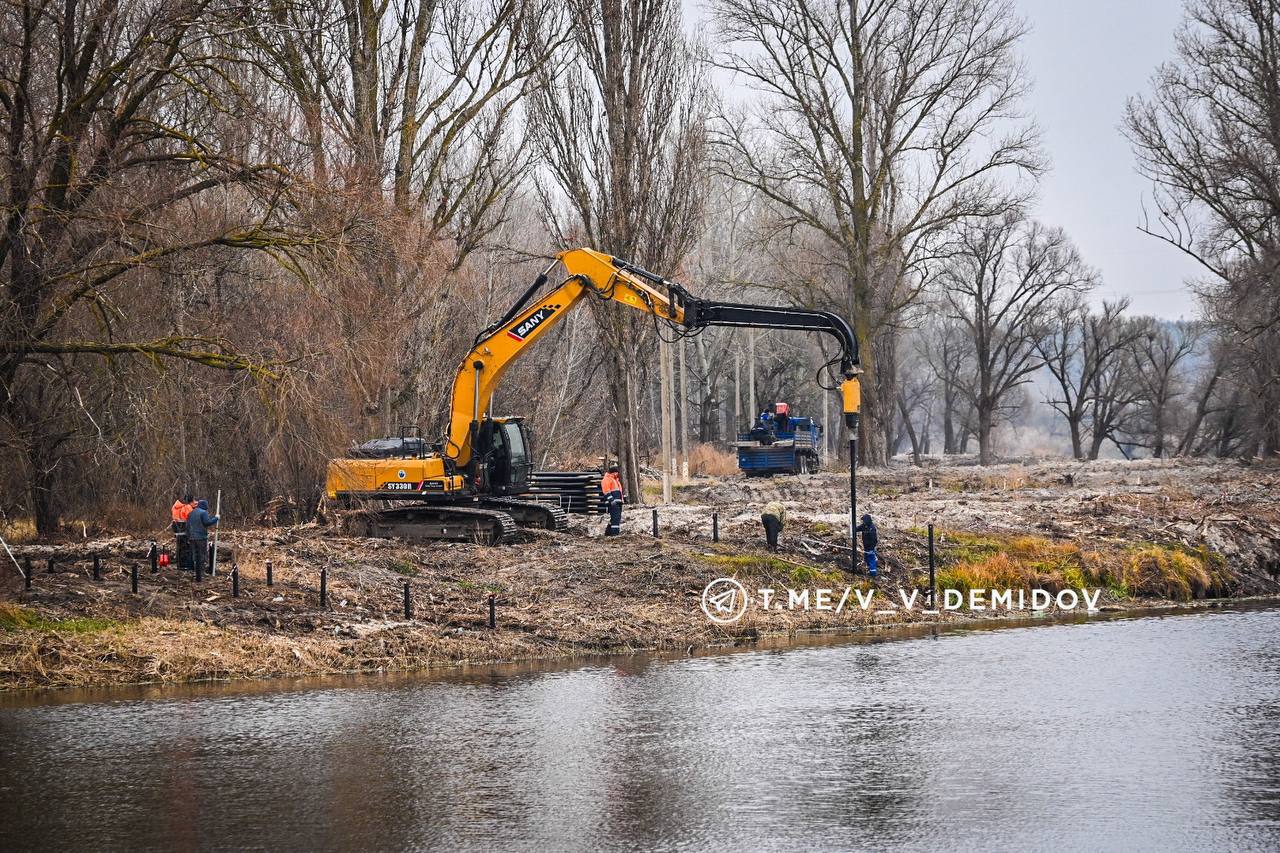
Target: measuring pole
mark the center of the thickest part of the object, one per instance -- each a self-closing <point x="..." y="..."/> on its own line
<point x="26" y="574"/>
<point x="213" y="563"/>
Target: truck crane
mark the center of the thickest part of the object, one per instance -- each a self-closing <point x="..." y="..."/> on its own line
<point x="468" y="486"/>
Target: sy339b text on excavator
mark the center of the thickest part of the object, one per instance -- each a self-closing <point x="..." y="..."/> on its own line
<point x="468" y="486"/>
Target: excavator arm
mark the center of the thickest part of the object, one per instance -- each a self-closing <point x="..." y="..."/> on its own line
<point x="592" y="273"/>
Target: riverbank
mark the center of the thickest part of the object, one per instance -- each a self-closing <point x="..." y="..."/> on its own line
<point x="1142" y="534"/>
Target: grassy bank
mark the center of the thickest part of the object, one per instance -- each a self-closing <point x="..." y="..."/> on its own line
<point x="1144" y="571"/>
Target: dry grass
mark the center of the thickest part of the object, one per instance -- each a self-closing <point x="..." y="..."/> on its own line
<point x="1023" y="562"/>
<point x="1014" y="562"/>
<point x="18" y="531"/>
<point x="710" y="461"/>
<point x="130" y="517"/>
<point x="1170" y="573"/>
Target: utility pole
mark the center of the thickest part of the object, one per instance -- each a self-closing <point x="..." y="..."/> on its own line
<point x="737" y="392"/>
<point x="752" y="409"/>
<point x="664" y="414"/>
<point x="826" y="425"/>
<point x="684" y="413"/>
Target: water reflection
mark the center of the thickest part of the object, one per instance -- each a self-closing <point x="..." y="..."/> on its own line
<point x="1157" y="733"/>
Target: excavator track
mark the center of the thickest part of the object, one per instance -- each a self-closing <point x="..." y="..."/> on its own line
<point x="530" y="513"/>
<point x="432" y="523"/>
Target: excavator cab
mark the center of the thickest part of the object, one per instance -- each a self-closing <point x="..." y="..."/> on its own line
<point x="502" y="457"/>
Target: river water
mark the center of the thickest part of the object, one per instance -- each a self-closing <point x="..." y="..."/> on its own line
<point x="1158" y="733"/>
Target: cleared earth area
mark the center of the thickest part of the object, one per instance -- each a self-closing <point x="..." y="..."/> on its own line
<point x="1143" y="533"/>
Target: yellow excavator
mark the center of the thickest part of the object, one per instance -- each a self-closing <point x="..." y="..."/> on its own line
<point x="468" y="487"/>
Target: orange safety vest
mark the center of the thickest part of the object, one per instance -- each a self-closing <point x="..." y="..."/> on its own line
<point x="610" y="483"/>
<point x="181" y="510"/>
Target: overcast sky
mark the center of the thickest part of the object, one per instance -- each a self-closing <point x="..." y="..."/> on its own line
<point x="1086" y="57"/>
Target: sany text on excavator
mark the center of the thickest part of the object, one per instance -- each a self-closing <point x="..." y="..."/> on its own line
<point x="468" y="487"/>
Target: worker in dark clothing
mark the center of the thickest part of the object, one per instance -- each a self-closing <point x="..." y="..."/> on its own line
<point x="870" y="538"/>
<point x="782" y="418"/>
<point x="611" y="489"/>
<point x="181" y="509"/>
<point x="773" y="518"/>
<point x="763" y="431"/>
<point x="198" y="524"/>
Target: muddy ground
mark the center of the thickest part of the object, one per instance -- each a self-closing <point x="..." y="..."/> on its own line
<point x="1143" y="532"/>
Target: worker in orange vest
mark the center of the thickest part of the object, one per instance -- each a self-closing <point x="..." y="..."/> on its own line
<point x="611" y="490"/>
<point x="181" y="510"/>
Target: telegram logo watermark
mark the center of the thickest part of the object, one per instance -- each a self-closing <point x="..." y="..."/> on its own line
<point x="726" y="600"/>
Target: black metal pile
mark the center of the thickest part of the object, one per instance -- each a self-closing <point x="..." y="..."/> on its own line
<point x="573" y="491"/>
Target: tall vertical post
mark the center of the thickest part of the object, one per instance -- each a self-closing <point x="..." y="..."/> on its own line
<point x="683" y="443"/>
<point x="97" y="567"/>
<point x="933" y="584"/>
<point x="853" y="499"/>
<point x="715" y="527"/>
<point x="324" y="588"/>
<point x="655" y="522"/>
<point x="737" y="393"/>
<point x="235" y="580"/>
<point x="271" y="581"/>
<point x="133" y="577"/>
<point x="826" y="425"/>
<point x="408" y="602"/>
<point x="493" y="611"/>
<point x="26" y="572"/>
<point x="752" y="408"/>
<point x="665" y="414"/>
<point x="213" y="554"/>
<point x="154" y="556"/>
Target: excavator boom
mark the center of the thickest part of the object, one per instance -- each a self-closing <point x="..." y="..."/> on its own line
<point x="607" y="277"/>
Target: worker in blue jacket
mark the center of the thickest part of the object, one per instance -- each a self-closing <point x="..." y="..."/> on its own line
<point x="870" y="538"/>
<point x="198" y="524"/>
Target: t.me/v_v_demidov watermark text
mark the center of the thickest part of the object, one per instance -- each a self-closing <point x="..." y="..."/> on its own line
<point x="726" y="600"/>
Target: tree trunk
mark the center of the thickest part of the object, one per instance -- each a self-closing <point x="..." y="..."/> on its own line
<point x="949" y="443"/>
<point x="985" y="420"/>
<point x="1077" y="444"/>
<point x="871" y="425"/>
<point x="911" y="431"/>
<point x="1095" y="445"/>
<point x="622" y="401"/>
<point x="40" y="490"/>
<point x="1202" y="407"/>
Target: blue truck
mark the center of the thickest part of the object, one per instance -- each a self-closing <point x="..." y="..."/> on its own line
<point x="770" y="448"/>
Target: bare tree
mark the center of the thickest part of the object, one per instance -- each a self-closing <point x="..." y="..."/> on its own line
<point x="117" y="127"/>
<point x="916" y="388"/>
<point x="1001" y="281"/>
<point x="1208" y="137"/>
<point x="1206" y="383"/>
<point x="877" y="125"/>
<point x="949" y="354"/>
<point x="423" y="93"/>
<point x="621" y="131"/>
<point x="1160" y="353"/>
<point x="1082" y="348"/>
